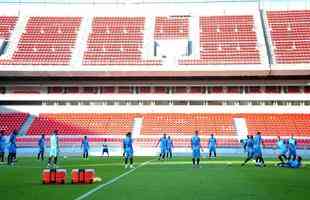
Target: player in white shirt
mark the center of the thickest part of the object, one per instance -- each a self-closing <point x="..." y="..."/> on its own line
<point x="54" y="149"/>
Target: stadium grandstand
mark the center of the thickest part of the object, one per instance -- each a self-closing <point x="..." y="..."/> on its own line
<point x="103" y="68"/>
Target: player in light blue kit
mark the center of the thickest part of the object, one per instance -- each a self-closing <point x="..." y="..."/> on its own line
<point x="12" y="148"/>
<point x="212" y="146"/>
<point x="196" y="147"/>
<point x="128" y="150"/>
<point x="85" y="146"/>
<point x="292" y="143"/>
<point x="2" y="146"/>
<point x="258" y="144"/>
<point x="249" y="148"/>
<point x="294" y="164"/>
<point x="54" y="149"/>
<point x="162" y="142"/>
<point x="282" y="149"/>
<point x="169" y="147"/>
<point x="41" y="145"/>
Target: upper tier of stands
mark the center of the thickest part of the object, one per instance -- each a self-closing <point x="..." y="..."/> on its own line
<point x="170" y="123"/>
<point x="12" y="121"/>
<point x="169" y="28"/>
<point x="7" y="25"/>
<point x="290" y="33"/>
<point x="227" y="40"/>
<point x="46" y="41"/>
<point x="116" y="41"/>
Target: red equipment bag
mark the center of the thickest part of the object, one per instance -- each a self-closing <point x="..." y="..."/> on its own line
<point x="50" y="176"/>
<point x="83" y="176"/>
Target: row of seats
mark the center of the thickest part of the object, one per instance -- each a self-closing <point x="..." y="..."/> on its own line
<point x="227" y="40"/>
<point x="12" y="121"/>
<point x="290" y="33"/>
<point x="223" y="39"/>
<point x="46" y="41"/>
<point x="82" y="123"/>
<point x="171" y="123"/>
<point x="170" y="28"/>
<point x="7" y="25"/>
<point x="116" y="41"/>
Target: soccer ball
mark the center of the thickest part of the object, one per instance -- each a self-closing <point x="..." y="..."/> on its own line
<point x="97" y="179"/>
<point x="65" y="157"/>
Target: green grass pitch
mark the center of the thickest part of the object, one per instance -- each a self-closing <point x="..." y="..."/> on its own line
<point x="173" y="179"/>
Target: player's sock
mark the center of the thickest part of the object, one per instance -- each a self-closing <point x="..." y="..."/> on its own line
<point x="14" y="157"/>
<point x="257" y="159"/>
<point x="55" y="160"/>
<point x="215" y="154"/>
<point x="262" y="160"/>
<point x="281" y="159"/>
<point x="198" y="160"/>
<point x="50" y="160"/>
<point x="126" y="162"/>
<point x="131" y="161"/>
<point x="9" y="158"/>
<point x="246" y="160"/>
<point x="193" y="161"/>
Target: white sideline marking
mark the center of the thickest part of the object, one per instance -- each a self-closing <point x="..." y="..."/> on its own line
<point x="111" y="181"/>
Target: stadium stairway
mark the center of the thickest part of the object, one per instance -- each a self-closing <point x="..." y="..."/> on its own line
<point x="194" y="36"/>
<point x="261" y="39"/>
<point x="81" y="41"/>
<point x="148" y="38"/>
<point x="137" y="126"/>
<point x="15" y="37"/>
<point x="26" y="125"/>
<point x="267" y="41"/>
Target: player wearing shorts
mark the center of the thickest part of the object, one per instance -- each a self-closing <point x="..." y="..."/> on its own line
<point x="212" y="146"/>
<point x="292" y="148"/>
<point x="85" y="146"/>
<point x="258" y="152"/>
<point x="294" y="164"/>
<point x="249" y="148"/>
<point x="163" y="147"/>
<point x="12" y="148"/>
<point x="282" y="149"/>
<point x="128" y="150"/>
<point x="2" y="146"/>
<point x="196" y="147"/>
<point x="169" y="147"/>
<point x="105" y="148"/>
<point x="41" y="145"/>
<point x="54" y="149"/>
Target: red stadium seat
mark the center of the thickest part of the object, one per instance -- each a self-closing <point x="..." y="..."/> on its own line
<point x="289" y="32"/>
<point x="12" y="121"/>
<point x="226" y="40"/>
